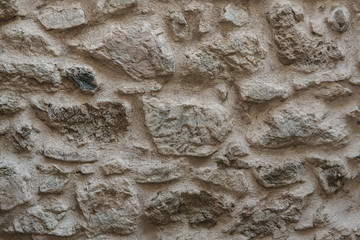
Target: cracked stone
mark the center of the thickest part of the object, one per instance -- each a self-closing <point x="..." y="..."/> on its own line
<point x="186" y="129"/>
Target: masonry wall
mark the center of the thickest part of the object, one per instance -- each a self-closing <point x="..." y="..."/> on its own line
<point x="167" y="119"/>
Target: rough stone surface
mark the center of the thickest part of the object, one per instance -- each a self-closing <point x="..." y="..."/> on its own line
<point x="297" y="125"/>
<point x="8" y="9"/>
<point x="104" y="121"/>
<point x="14" y="189"/>
<point x="186" y="129"/>
<point x="200" y="208"/>
<point x="187" y="120"/>
<point x="109" y="206"/>
<point x="231" y="179"/>
<point x="298" y="48"/>
<point x="121" y="49"/>
<point x="62" y="18"/>
<point x="281" y="175"/>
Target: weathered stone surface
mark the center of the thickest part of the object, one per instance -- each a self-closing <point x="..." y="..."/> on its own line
<point x="115" y="6"/>
<point x="103" y="121"/>
<point x="179" y="27"/>
<point x="48" y="219"/>
<point x="158" y="173"/>
<point x="230" y="179"/>
<point x="84" y="78"/>
<point x="69" y="155"/>
<point x="263" y="91"/>
<point x="204" y="63"/>
<point x="109" y="206"/>
<point x="62" y="18"/>
<point x="339" y="19"/>
<point x="27" y="37"/>
<point x="115" y="167"/>
<point x="10" y="103"/>
<point x="280" y="175"/>
<point x="242" y="52"/>
<point x="332" y="92"/>
<point x="139" y="88"/>
<point x="203" y="11"/>
<point x="235" y="15"/>
<point x="139" y="51"/>
<point x="186" y="129"/>
<point x="269" y="220"/>
<point x="331" y="174"/>
<point x="233" y="155"/>
<point x="23" y="134"/>
<point x="14" y="189"/>
<point x="53" y="184"/>
<point x="294" y="47"/>
<point x="41" y="72"/>
<point x="200" y="208"/>
<point x="296" y="124"/>
<point x="8" y="9"/>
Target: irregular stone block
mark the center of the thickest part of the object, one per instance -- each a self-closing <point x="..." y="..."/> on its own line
<point x="339" y="19"/>
<point x="235" y="15"/>
<point x="200" y="208"/>
<point x="14" y="189"/>
<point x="159" y="173"/>
<point x="109" y="206"/>
<point x="62" y="18"/>
<point x="139" y="88"/>
<point x="332" y="92"/>
<point x="115" y="167"/>
<point x="263" y="91"/>
<point x="230" y="179"/>
<point x="115" y="6"/>
<point x="29" y="38"/>
<point x="331" y="174"/>
<point x="10" y="103"/>
<point x="41" y="72"/>
<point x="139" y="51"/>
<point x="84" y="78"/>
<point x="280" y="175"/>
<point x="233" y="155"/>
<point x="47" y="220"/>
<point x="179" y="27"/>
<point x="53" y="184"/>
<point x="186" y="129"/>
<point x="8" y="9"/>
<point x="103" y="121"/>
<point x="69" y="155"/>
<point x="204" y="63"/>
<point x="296" y="124"/>
<point x="296" y="48"/>
<point x="242" y="52"/>
<point x="271" y="220"/>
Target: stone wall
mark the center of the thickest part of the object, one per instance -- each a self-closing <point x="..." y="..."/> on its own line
<point x="179" y="119"/>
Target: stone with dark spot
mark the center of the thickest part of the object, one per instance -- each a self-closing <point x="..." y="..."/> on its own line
<point x="84" y="78"/>
<point x="339" y="19"/>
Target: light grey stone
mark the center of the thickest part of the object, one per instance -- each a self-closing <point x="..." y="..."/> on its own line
<point x="14" y="189"/>
<point x="186" y="129"/>
<point x="109" y="206"/>
<point x="121" y="48"/>
<point x="53" y="184"/>
<point x="69" y="155"/>
<point x="159" y="173"/>
<point x="115" y="6"/>
<point x="115" y="167"/>
<point x="179" y="27"/>
<point x="62" y="18"/>
<point x="339" y="19"/>
<point x="10" y="103"/>
<point x="235" y="15"/>
<point x="296" y="124"/>
<point x="230" y="179"/>
<point x="41" y="72"/>
<point x="256" y="91"/>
